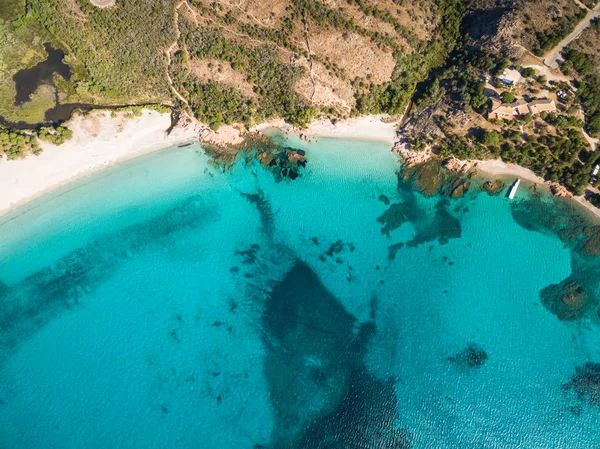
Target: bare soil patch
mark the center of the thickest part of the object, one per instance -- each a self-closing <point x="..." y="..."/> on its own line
<point x="103" y="3"/>
<point x="267" y="13"/>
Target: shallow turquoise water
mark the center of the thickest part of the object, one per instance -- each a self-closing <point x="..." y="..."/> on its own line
<point x="166" y="303"/>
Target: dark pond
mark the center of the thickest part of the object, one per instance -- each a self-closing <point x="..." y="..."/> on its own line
<point x="28" y="80"/>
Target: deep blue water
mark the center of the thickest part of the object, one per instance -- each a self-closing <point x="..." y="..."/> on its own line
<point x="168" y="303"/>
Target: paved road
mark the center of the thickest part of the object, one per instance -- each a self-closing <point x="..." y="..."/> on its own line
<point x="553" y="58"/>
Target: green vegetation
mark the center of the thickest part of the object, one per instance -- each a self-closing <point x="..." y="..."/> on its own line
<point x="411" y="70"/>
<point x="563" y="158"/>
<point x="14" y="143"/>
<point x="550" y="38"/>
<point x="508" y="97"/>
<point x="273" y="80"/>
<point x="56" y="136"/>
<point x="528" y="72"/>
<point x="115" y="52"/>
<point x="588" y="89"/>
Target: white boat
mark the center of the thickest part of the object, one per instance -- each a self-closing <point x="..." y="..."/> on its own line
<point x="513" y="189"/>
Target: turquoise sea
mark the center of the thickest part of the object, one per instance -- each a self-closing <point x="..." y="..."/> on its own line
<point x="169" y="303"/>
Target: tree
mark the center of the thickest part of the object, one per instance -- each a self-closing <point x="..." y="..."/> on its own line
<point x="490" y="138"/>
<point x="528" y="72"/>
<point x="508" y="97"/>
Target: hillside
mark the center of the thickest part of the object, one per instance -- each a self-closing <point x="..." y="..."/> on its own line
<point x="230" y="61"/>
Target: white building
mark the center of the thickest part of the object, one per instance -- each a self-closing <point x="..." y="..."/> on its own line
<point x="510" y="77"/>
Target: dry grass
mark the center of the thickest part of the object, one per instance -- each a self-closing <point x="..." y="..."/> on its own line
<point x="221" y="72"/>
<point x="267" y="13"/>
<point x="589" y="43"/>
<point x="324" y="89"/>
<point x="353" y="53"/>
<point x="540" y="15"/>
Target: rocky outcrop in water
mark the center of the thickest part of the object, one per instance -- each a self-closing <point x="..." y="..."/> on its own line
<point x="287" y="163"/>
<point x="494" y="188"/>
<point x="426" y="177"/>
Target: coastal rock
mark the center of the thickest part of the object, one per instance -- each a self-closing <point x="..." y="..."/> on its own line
<point x="411" y="157"/>
<point x="494" y="188"/>
<point x="568" y="300"/>
<point x="559" y="190"/>
<point x="457" y="165"/>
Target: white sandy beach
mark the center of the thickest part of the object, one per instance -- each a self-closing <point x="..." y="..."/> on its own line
<point x="99" y="141"/>
<point x="499" y="168"/>
<point x="370" y="127"/>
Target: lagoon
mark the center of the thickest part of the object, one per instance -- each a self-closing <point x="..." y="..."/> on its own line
<point x="167" y="302"/>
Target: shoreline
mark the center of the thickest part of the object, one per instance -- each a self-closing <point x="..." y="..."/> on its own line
<point x="101" y="141"/>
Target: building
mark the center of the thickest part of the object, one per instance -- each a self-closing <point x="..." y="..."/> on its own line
<point x="510" y="77"/>
<point x="512" y="111"/>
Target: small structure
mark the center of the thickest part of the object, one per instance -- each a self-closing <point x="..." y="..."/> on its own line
<point x="510" y="77"/>
<point x="512" y="111"/>
<point x="513" y="189"/>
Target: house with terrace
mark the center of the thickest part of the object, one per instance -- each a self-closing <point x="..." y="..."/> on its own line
<point x="519" y="108"/>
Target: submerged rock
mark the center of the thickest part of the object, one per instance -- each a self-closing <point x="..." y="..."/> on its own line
<point x="459" y="188"/>
<point x="322" y="393"/>
<point x="586" y="383"/>
<point x="568" y="300"/>
<point x="494" y="188"/>
<point x="393" y="250"/>
<point x="426" y="177"/>
<point x="473" y="356"/>
<point x="384" y="199"/>
<point x="393" y="218"/>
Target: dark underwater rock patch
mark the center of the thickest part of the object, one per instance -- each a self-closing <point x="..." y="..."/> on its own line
<point x="384" y="199"/>
<point x="586" y="383"/>
<point x="443" y="228"/>
<point x="473" y="356"/>
<point x="394" y="217"/>
<point x="393" y="250"/>
<point x="249" y="255"/>
<point x="264" y="210"/>
<point x="35" y="301"/>
<point x="568" y="300"/>
<point x="321" y="391"/>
